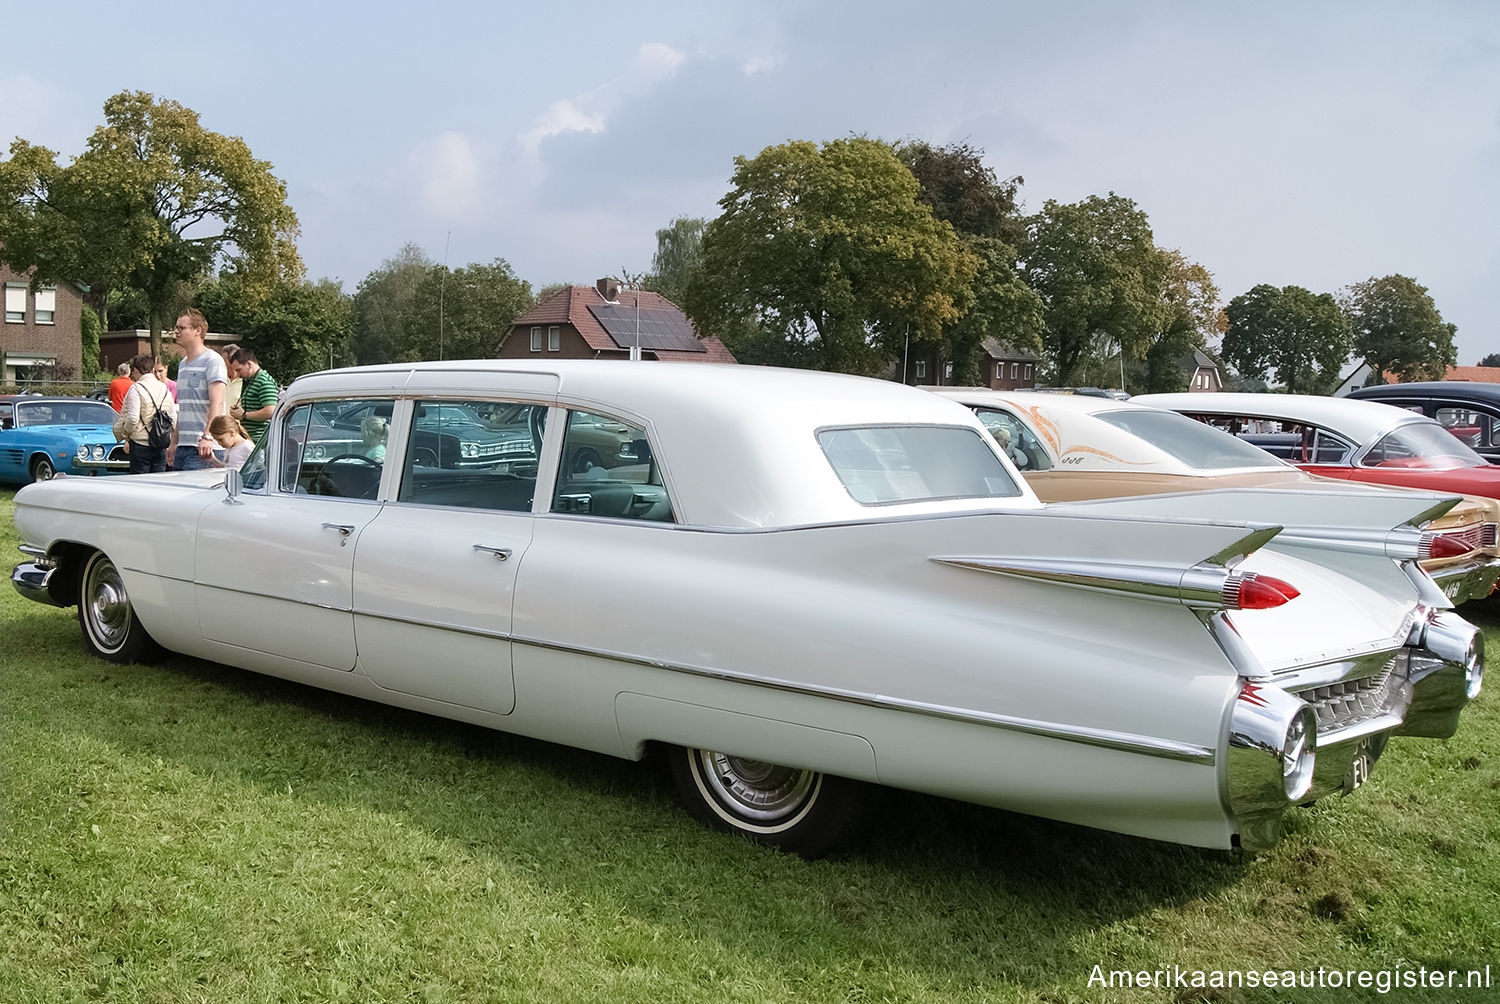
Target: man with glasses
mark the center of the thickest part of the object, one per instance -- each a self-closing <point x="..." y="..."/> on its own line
<point x="201" y="379"/>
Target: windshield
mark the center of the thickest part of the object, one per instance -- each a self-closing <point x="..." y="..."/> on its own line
<point x="1423" y="444"/>
<point x="1195" y="444"/>
<point x="882" y="464"/>
<point x="78" y="412"/>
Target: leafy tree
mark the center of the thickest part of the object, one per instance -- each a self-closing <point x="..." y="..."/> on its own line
<point x="1302" y="337"/>
<point x="1095" y="266"/>
<point x="154" y="202"/>
<point x="960" y="189"/>
<point x="384" y="301"/>
<point x="1397" y="329"/>
<point x="294" y="328"/>
<point x="1188" y="315"/>
<point x="679" y="251"/>
<point x="1493" y="359"/>
<point x="830" y="246"/>
<point x="478" y="302"/>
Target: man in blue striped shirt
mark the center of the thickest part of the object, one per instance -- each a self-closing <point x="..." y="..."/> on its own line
<point x="201" y="379"/>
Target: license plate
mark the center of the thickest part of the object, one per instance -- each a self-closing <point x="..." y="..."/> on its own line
<point x="1359" y="767"/>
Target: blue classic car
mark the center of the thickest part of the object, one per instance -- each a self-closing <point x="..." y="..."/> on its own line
<point x="42" y="436"/>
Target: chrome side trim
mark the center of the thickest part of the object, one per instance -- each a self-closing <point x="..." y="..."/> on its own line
<point x="1196" y="586"/>
<point x="1128" y="742"/>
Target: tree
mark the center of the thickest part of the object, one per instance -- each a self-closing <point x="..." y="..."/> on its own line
<point x="679" y="252"/>
<point x="1302" y="337"/>
<point x="88" y="331"/>
<point x="830" y="246"/>
<point x="960" y="189"/>
<point x="383" y="302"/>
<point x="294" y="328"/>
<point x="155" y="202"/>
<point x="1095" y="266"/>
<point x="1397" y="329"/>
<point x="963" y="192"/>
<point x="1188" y="315"/>
<point x="1493" y="359"/>
<point x="476" y="304"/>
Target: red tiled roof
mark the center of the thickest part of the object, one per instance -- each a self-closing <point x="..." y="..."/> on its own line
<point x="571" y="306"/>
<point x="1479" y="374"/>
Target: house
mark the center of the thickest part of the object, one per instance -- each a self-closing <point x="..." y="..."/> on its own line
<point x="116" y="347"/>
<point x="1363" y="376"/>
<point x="1202" y="371"/>
<point x="578" y="322"/>
<point x="1003" y="367"/>
<point x="41" y="339"/>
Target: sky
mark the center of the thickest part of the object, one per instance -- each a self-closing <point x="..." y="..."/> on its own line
<point x="1314" y="144"/>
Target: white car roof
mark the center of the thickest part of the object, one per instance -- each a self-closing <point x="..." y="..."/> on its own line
<point x="1359" y="421"/>
<point x="737" y="443"/>
<point x="1068" y="425"/>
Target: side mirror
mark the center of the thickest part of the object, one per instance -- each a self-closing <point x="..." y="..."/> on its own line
<point x="233" y="485"/>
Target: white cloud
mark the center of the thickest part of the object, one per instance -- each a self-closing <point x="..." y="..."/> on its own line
<point x="447" y="171"/>
<point x="563" y="117"/>
<point x="658" y="60"/>
<point x="756" y="65"/>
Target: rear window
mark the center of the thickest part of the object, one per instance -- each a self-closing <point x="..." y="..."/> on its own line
<point x="905" y="463"/>
<point x="1195" y="444"/>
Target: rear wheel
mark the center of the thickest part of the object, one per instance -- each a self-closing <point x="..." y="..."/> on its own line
<point x="111" y="629"/>
<point x="42" y="469"/>
<point x="793" y="808"/>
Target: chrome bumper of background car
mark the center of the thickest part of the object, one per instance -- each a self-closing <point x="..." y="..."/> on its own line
<point x="1473" y="579"/>
<point x="1294" y="746"/>
<point x="88" y="467"/>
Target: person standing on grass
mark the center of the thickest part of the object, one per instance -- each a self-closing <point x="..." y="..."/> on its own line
<point x="257" y="394"/>
<point x="147" y="396"/>
<point x="201" y="378"/>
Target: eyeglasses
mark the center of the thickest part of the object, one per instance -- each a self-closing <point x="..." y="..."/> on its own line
<point x="183" y="327"/>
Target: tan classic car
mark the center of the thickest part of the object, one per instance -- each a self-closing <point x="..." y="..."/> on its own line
<point x="1074" y="447"/>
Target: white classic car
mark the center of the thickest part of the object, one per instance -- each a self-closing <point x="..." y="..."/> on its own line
<point x="802" y="583"/>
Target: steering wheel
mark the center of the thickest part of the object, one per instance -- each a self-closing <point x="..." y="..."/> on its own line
<point x="324" y="479"/>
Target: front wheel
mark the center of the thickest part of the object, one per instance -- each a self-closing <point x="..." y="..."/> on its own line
<point x="792" y="808"/>
<point x="42" y="469"/>
<point x="111" y="629"/>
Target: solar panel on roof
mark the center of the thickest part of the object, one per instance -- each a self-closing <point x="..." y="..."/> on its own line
<point x="659" y="328"/>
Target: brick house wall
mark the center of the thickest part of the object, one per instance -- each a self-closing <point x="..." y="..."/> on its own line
<point x="30" y="345"/>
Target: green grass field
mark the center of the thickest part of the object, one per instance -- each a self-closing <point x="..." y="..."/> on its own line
<point x="190" y="832"/>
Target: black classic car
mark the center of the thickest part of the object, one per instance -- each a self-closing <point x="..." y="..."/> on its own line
<point x="1471" y="411"/>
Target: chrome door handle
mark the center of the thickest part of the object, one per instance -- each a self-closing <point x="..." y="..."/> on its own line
<point x="500" y="553"/>
<point x="343" y="530"/>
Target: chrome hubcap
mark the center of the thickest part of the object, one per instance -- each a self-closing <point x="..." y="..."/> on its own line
<point x="108" y="606"/>
<point x="754" y="789"/>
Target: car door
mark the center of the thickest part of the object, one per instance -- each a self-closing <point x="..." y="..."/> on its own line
<point x="435" y="573"/>
<point x="274" y="568"/>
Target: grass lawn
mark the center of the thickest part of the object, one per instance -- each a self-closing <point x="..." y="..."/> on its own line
<point x="190" y="832"/>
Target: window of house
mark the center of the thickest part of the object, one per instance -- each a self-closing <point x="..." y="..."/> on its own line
<point x="46" y="304"/>
<point x="999" y="371"/>
<point x="1015" y="371"/>
<point x="609" y="470"/>
<point x="15" y="303"/>
<point x="536" y="339"/>
<point x="554" y="339"/>
<point x="1028" y="371"/>
<point x="921" y="369"/>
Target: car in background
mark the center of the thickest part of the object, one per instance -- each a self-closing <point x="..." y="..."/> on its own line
<point x="789" y="603"/>
<point x="1074" y="447"/>
<point x="1467" y="409"/>
<point x="41" y="437"/>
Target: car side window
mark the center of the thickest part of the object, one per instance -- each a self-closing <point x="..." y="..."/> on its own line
<point x="609" y="469"/>
<point x="1017" y="441"/>
<point x="1474" y="428"/>
<point x="473" y="455"/>
<point x="335" y="448"/>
